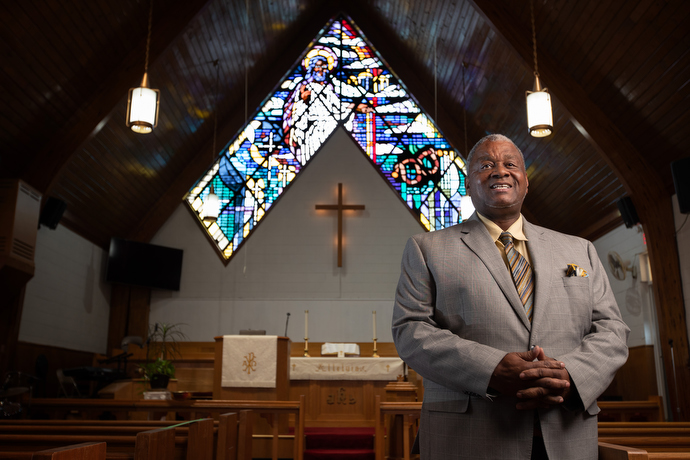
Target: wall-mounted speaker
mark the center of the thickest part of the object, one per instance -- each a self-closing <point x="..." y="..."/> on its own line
<point x="52" y="213"/>
<point x="680" y="169"/>
<point x="628" y="211"/>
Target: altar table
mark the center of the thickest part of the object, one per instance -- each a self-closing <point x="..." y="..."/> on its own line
<point x="342" y="391"/>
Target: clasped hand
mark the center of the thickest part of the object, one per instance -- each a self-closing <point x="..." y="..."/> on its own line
<point x="536" y="379"/>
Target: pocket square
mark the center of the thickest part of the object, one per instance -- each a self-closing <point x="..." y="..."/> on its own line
<point x="574" y="270"/>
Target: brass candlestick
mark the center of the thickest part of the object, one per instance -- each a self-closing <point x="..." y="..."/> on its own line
<point x="306" y="348"/>
<point x="375" y="355"/>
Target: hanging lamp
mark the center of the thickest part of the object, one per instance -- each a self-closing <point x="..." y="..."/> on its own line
<point x="539" y="113"/>
<point x="466" y="205"/>
<point x="143" y="102"/>
<point x="211" y="207"/>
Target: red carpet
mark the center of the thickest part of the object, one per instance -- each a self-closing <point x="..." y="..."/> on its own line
<point x="339" y="443"/>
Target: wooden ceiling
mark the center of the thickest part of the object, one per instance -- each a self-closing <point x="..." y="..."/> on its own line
<point x="618" y="72"/>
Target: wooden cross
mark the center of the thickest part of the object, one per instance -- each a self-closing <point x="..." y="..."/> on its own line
<point x="340" y="207"/>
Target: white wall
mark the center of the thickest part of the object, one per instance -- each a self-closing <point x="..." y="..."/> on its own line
<point x="635" y="298"/>
<point x="289" y="264"/>
<point x="66" y="304"/>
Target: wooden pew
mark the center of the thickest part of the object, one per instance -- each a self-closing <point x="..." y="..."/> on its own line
<point x="616" y="452"/>
<point x="657" y="443"/>
<point x="272" y="408"/>
<point x="142" y="443"/>
<point x="84" y="451"/>
<point x="651" y="410"/>
<point x="652" y="437"/>
<point x="653" y="440"/>
<point x="235" y="436"/>
<point x="671" y="430"/>
<point x="232" y="428"/>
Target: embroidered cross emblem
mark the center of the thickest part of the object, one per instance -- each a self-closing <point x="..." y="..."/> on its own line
<point x="249" y="364"/>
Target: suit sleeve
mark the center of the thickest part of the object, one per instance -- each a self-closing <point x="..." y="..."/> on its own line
<point x="593" y="364"/>
<point x="434" y="352"/>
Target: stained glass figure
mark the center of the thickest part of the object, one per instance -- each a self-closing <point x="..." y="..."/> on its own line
<point x="339" y="81"/>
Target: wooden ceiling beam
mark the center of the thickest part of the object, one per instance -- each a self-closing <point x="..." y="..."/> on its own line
<point x="46" y="167"/>
<point x="645" y="187"/>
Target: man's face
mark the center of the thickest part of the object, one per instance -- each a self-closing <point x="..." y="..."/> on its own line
<point x="497" y="180"/>
<point x="320" y="68"/>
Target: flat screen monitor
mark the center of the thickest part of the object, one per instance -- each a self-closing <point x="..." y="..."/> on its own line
<point x="142" y="264"/>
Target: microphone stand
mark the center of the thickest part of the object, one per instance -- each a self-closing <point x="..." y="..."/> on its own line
<point x="286" y="324"/>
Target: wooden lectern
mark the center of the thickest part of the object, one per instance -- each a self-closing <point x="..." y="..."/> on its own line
<point x="266" y="423"/>
<point x="279" y="393"/>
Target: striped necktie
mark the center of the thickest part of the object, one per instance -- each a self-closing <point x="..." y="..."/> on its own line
<point x="522" y="273"/>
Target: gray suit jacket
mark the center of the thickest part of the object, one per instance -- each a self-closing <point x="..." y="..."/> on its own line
<point x="457" y="313"/>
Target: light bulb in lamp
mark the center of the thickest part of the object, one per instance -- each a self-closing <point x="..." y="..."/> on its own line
<point x="539" y="114"/>
<point x="142" y="107"/>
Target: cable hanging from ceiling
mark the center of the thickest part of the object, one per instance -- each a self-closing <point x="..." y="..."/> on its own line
<point x="143" y="102"/>
<point x="539" y="113"/>
<point x="212" y="202"/>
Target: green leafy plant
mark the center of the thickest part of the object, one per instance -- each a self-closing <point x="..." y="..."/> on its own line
<point x="159" y="366"/>
<point x="162" y="347"/>
<point x="162" y="341"/>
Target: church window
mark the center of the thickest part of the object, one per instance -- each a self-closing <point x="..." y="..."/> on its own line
<point x="339" y="81"/>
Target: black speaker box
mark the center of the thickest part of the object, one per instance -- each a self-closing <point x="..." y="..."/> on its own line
<point x="628" y="212"/>
<point x="680" y="169"/>
<point x="52" y="213"/>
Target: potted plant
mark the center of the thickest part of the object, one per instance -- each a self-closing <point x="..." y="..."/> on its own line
<point x="162" y="346"/>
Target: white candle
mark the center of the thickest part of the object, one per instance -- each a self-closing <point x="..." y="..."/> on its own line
<point x="374" y="312"/>
<point x="306" y="324"/>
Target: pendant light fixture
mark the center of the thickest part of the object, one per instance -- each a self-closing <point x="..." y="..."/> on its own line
<point x="539" y="114"/>
<point x="466" y="205"/>
<point x="143" y="102"/>
<point x="212" y="202"/>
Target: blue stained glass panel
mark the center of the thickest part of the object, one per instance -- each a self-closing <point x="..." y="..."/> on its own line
<point x="338" y="81"/>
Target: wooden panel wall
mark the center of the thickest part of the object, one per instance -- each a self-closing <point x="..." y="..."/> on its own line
<point x="30" y="355"/>
<point x="636" y="380"/>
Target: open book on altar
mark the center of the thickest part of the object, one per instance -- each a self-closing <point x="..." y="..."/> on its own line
<point x="339" y="349"/>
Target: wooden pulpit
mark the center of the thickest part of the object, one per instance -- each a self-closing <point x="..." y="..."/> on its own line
<point x="282" y="378"/>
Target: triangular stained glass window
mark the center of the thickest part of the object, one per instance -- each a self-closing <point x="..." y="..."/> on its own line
<point x="339" y="81"/>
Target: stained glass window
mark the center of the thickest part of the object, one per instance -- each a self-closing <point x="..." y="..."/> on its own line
<point x="339" y="81"/>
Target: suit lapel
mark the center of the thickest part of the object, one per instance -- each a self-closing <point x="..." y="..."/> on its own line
<point x="478" y="240"/>
<point x="540" y="253"/>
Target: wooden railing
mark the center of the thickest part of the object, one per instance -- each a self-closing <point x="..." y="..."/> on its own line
<point x="407" y="413"/>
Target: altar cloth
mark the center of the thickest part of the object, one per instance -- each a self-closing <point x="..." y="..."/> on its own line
<point x="387" y="369"/>
<point x="249" y="361"/>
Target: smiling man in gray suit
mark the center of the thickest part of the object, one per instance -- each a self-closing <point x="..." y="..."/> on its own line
<point x="515" y="335"/>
